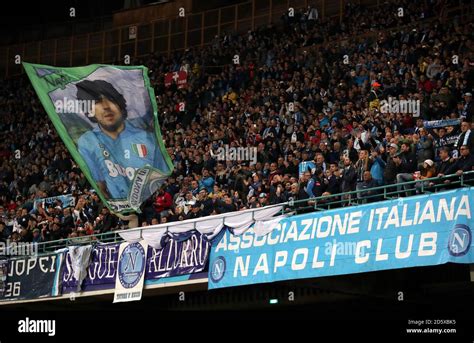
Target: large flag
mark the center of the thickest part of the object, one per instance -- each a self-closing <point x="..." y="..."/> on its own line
<point x="108" y="119"/>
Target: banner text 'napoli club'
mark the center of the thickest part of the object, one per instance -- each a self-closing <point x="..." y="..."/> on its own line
<point x="417" y="231"/>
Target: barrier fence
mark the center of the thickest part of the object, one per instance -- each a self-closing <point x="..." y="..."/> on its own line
<point x="323" y="203"/>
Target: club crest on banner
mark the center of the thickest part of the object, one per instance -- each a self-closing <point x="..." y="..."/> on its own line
<point x="130" y="272"/>
<point x="131" y="265"/>
<point x="218" y="269"/>
<point x="460" y="240"/>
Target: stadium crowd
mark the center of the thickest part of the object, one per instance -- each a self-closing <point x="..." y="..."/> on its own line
<point x="313" y="97"/>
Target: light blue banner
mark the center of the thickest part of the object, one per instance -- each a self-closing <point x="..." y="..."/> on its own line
<point x="408" y="232"/>
<point x="67" y="200"/>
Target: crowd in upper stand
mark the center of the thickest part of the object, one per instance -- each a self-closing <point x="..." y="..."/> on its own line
<point x="309" y="95"/>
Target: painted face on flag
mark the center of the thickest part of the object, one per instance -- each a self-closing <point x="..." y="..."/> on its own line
<point x="108" y="115"/>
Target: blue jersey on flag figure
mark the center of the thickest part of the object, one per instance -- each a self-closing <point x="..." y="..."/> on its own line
<point x="115" y="149"/>
<point x="306" y="166"/>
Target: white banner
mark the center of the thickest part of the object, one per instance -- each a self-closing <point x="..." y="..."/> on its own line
<point x="237" y="222"/>
<point x="130" y="271"/>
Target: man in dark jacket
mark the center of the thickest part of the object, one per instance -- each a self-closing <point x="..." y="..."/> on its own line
<point x="277" y="190"/>
<point x="408" y="158"/>
<point x="349" y="176"/>
<point x="463" y="164"/>
<point x="297" y="193"/>
<point x="442" y="166"/>
<point x="334" y="180"/>
<point x="225" y="205"/>
<point x="207" y="205"/>
<point x="25" y="217"/>
<point x="3" y="232"/>
<point x="392" y="168"/>
<point x="68" y="220"/>
<point x="349" y="179"/>
<point x="195" y="211"/>
<point x="368" y="194"/>
<point x="109" y="222"/>
<point x="445" y="161"/>
<point x="468" y="109"/>
<point x="407" y="167"/>
<point x="466" y="137"/>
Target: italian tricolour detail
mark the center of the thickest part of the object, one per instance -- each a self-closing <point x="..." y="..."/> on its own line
<point x="140" y="149"/>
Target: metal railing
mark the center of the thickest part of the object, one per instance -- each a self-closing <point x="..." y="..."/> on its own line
<point x="381" y="193"/>
<point x="322" y="203"/>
